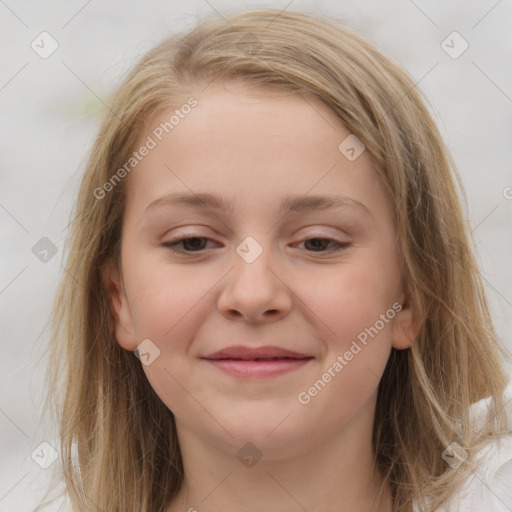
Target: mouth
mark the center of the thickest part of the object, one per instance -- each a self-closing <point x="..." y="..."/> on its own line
<point x="243" y="361"/>
<point x="266" y="352"/>
<point x="256" y="359"/>
<point x="259" y="367"/>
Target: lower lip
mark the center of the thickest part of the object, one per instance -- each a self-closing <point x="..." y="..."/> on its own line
<point x="248" y="368"/>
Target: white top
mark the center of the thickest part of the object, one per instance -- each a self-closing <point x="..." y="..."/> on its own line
<point x="489" y="488"/>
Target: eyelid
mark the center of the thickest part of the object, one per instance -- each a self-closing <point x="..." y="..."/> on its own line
<point x="315" y="234"/>
<point x="338" y="246"/>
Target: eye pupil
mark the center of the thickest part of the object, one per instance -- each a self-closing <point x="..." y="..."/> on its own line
<point x="321" y="245"/>
<point x="193" y="245"/>
<point x="196" y="244"/>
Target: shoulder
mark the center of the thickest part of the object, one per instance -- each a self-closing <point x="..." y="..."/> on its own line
<point x="489" y="487"/>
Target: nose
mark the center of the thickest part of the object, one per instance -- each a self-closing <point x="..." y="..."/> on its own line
<point x="255" y="290"/>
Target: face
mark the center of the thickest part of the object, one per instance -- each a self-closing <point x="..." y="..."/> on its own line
<point x="317" y="278"/>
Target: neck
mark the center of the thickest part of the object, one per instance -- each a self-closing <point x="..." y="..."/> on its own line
<point x="334" y="475"/>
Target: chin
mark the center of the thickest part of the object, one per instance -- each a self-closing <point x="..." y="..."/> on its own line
<point x="275" y="435"/>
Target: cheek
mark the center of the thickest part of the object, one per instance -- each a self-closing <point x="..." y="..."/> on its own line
<point x="349" y="299"/>
<point x="171" y="383"/>
<point x="165" y="296"/>
<point x="357" y="305"/>
<point x="344" y="387"/>
<point x="355" y="309"/>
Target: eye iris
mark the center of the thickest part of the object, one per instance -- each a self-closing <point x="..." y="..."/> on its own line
<point x="323" y="241"/>
<point x="193" y="246"/>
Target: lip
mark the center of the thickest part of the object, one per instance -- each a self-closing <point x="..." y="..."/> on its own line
<point x="250" y="353"/>
<point x="267" y="361"/>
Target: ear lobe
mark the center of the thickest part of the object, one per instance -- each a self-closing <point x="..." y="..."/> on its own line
<point x="407" y="324"/>
<point x="119" y="307"/>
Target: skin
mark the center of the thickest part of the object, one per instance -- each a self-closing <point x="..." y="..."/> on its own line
<point x="254" y="149"/>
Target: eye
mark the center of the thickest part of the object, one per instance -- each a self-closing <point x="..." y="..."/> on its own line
<point x="195" y="245"/>
<point x="193" y="242"/>
<point x="336" y="245"/>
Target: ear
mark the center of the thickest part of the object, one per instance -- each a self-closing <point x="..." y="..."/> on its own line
<point x="407" y="322"/>
<point x="119" y="306"/>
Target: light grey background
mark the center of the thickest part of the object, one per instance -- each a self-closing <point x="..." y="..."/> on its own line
<point x="49" y="115"/>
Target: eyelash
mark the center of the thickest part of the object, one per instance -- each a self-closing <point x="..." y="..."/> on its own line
<point x="171" y="245"/>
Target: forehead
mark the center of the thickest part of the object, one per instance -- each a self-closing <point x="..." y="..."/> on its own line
<point x="251" y="146"/>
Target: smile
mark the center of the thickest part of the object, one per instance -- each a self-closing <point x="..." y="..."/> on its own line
<point x="259" y="367"/>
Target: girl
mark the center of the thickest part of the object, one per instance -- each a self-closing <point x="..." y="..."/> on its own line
<point x="270" y="299"/>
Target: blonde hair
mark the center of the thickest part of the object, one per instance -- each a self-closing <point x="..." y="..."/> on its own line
<point x="127" y="455"/>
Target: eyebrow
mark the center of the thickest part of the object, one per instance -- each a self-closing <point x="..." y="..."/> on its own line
<point x="207" y="201"/>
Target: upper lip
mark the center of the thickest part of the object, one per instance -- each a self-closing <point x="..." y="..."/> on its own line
<point x="249" y="353"/>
